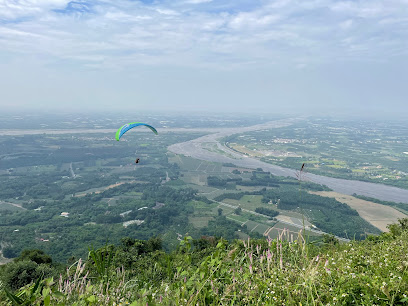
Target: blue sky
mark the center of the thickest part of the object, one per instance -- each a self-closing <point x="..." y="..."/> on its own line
<point x="316" y="56"/>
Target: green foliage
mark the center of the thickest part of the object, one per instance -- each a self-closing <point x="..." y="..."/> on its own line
<point x="267" y="211"/>
<point x="238" y="211"/>
<point x="221" y="227"/>
<point x="27" y="296"/>
<point x="9" y="252"/>
<point x="38" y="256"/>
<point x="211" y="271"/>
<point x="102" y="261"/>
<point x="397" y="229"/>
<point x="329" y="239"/>
<point x="203" y="199"/>
<point x="216" y="182"/>
<point x="328" y="214"/>
<point x="234" y="196"/>
<point x="20" y="273"/>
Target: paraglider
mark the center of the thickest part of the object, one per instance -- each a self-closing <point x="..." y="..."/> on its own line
<point x="123" y="129"/>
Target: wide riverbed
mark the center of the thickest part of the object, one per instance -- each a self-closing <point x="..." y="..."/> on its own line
<point x="194" y="148"/>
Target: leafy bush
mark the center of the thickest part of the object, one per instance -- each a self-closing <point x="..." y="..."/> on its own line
<point x="21" y="273"/>
<point x="38" y="256"/>
<point x="263" y="272"/>
<point x="267" y="211"/>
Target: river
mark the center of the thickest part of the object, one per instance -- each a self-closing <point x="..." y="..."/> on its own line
<point x="194" y="148"/>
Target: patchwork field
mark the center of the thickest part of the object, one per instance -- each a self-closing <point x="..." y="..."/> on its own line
<point x="200" y="222"/>
<point x="377" y="214"/>
<point x="250" y="202"/>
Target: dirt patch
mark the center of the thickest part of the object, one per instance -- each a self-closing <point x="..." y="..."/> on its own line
<point x="377" y="214"/>
<point x="103" y="189"/>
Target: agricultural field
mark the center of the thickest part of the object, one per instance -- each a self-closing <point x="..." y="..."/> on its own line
<point x="65" y="191"/>
<point x="252" y="199"/>
<point x="377" y="214"/>
<point x="359" y="150"/>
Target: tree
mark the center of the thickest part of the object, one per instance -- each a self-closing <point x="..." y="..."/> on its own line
<point x="216" y="182"/>
<point x="397" y="229"/>
<point x="38" y="256"/>
<point x="330" y="239"/>
<point x="219" y="211"/>
<point x="9" y="252"/>
<point x="21" y="273"/>
<point x="238" y="210"/>
<point x="266" y="211"/>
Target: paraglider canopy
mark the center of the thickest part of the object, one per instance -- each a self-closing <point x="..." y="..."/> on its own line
<point x="129" y="126"/>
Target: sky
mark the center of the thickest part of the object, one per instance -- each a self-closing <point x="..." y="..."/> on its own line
<point x="311" y="56"/>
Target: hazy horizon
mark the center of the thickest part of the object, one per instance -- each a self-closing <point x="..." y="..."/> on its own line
<point x="323" y="57"/>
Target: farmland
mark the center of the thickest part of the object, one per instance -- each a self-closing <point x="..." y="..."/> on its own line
<point x="63" y="191"/>
<point x="248" y="203"/>
<point x="358" y="150"/>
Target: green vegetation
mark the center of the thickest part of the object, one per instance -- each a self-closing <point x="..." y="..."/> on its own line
<point x="327" y="214"/>
<point x="76" y="194"/>
<point x="267" y="211"/>
<point x="358" y="150"/>
<point x="107" y="197"/>
<point x="214" y="271"/>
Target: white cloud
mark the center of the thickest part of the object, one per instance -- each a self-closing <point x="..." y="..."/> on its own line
<point x="218" y="34"/>
<point x="252" y="20"/>
<point x="198" y="1"/>
<point x="21" y="8"/>
<point x="346" y="24"/>
<point x="166" y="11"/>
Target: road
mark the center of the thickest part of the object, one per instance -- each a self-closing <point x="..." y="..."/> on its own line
<point x="194" y="148"/>
<point x="281" y="221"/>
<point x="14" y="204"/>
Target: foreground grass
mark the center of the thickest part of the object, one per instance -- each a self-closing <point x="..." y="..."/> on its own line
<point x="252" y="272"/>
